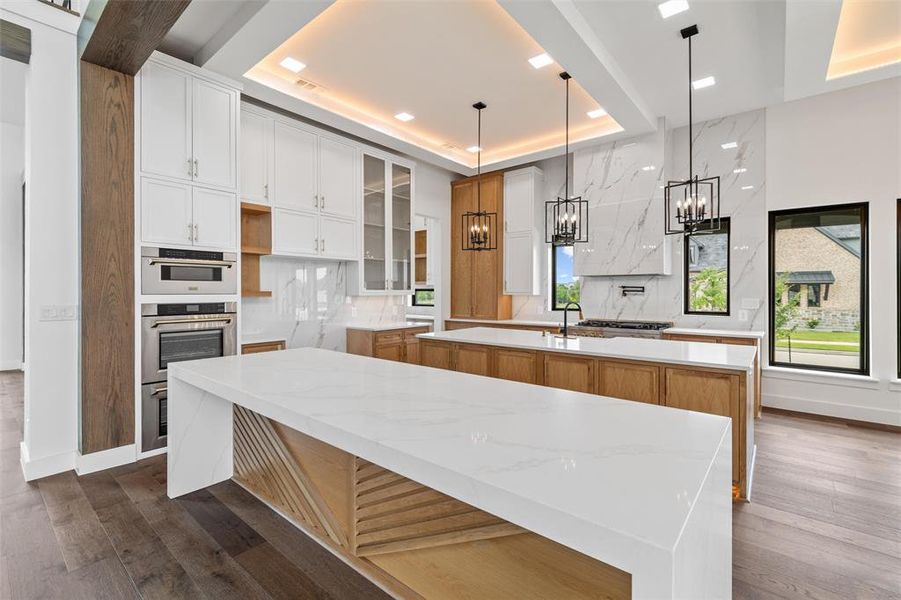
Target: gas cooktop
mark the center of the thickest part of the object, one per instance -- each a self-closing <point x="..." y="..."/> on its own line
<point x="641" y="325"/>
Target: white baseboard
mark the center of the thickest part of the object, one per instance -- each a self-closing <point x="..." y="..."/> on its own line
<point x="11" y="365"/>
<point x="833" y="409"/>
<point x="44" y="467"/>
<point x="105" y="459"/>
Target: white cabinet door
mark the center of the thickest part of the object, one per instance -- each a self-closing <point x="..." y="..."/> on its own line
<point x="294" y="233"/>
<point x="294" y="168"/>
<point x="214" y="134"/>
<point x="519" y="209"/>
<point x="214" y="219"/>
<point x="256" y="138"/>
<point x="166" y="212"/>
<point x="337" y="181"/>
<point x="166" y="122"/>
<point x="518" y="264"/>
<point x="337" y="238"/>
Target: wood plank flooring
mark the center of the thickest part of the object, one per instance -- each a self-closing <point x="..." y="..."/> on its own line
<point x="825" y="523"/>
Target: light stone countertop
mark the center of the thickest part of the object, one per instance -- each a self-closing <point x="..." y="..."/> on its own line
<point x="715" y="332"/>
<point x="619" y="481"/>
<point x="387" y="326"/>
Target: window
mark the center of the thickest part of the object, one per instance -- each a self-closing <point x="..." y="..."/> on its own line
<point x="424" y="297"/>
<point x="707" y="271"/>
<point x="564" y="285"/>
<point x="819" y="283"/>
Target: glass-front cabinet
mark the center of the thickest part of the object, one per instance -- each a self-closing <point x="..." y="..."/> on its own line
<point x="386" y="266"/>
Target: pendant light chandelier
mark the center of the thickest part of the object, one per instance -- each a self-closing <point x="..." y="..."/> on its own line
<point x="479" y="226"/>
<point x="693" y="204"/>
<point x="566" y="218"/>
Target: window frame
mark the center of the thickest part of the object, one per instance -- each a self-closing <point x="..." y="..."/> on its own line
<point x="898" y="279"/>
<point x="864" y="208"/>
<point x="416" y="290"/>
<point x="686" y="309"/>
<point x="552" y="292"/>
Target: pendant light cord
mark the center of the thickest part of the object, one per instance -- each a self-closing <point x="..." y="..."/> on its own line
<point x="479" y="164"/>
<point x="566" y="146"/>
<point x="691" y="173"/>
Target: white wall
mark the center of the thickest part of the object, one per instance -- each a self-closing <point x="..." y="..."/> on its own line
<point x="12" y="169"/>
<point x="51" y="239"/>
<point x="832" y="149"/>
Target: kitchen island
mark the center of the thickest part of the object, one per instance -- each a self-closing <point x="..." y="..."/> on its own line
<point x="440" y="484"/>
<point x="706" y="377"/>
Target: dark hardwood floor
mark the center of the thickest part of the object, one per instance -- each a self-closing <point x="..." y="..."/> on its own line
<point x="825" y="523"/>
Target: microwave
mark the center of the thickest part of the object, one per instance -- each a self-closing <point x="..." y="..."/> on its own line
<point x="176" y="271"/>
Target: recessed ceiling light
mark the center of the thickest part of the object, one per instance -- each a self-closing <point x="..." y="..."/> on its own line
<point x="596" y="113"/>
<point x="404" y="116"/>
<point x="739" y="170"/>
<point x="648" y="168"/>
<point x="542" y="60"/>
<point x="672" y="7"/>
<point x="729" y="145"/>
<point x="292" y="64"/>
<point x="704" y="82"/>
<point x="747" y="187"/>
<point x="473" y="149"/>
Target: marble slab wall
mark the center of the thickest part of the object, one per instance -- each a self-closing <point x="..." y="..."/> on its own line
<point x="309" y="304"/>
<point x="602" y="297"/>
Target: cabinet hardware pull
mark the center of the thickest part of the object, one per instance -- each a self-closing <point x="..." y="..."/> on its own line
<point x="190" y="171"/>
<point x="266" y="191"/>
<point x="322" y="201"/>
<point x="180" y="321"/>
<point x="323" y="244"/>
<point x="159" y="391"/>
<point x="178" y="262"/>
<point x="316" y="200"/>
<point x="316" y="244"/>
<point x="190" y="235"/>
<point x="196" y="168"/>
<point x="196" y="232"/>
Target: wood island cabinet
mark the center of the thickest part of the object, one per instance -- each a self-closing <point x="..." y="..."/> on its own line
<point x="256" y="347"/>
<point x="715" y="391"/>
<point x="629" y="381"/>
<point x="400" y="345"/>
<point x="569" y="372"/>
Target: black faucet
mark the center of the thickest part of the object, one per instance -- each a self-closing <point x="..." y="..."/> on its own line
<point x="566" y="314"/>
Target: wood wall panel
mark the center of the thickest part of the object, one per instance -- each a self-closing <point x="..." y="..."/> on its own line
<point x="107" y="266"/>
<point x="15" y="42"/>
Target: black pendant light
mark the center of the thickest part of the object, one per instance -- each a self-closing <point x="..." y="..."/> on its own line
<point x="479" y="226"/>
<point x="693" y="204"/>
<point x="566" y="218"/>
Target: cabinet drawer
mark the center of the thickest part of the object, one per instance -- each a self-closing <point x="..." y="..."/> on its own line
<point x="629" y="381"/>
<point x="569" y="373"/>
<point x="261" y="347"/>
<point x="389" y="337"/>
<point x="410" y="334"/>
<point x="517" y="365"/>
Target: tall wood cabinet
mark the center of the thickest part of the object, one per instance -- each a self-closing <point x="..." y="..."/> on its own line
<point x="477" y="278"/>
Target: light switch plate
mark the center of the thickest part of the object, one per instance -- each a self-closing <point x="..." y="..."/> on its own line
<point x="743" y="315"/>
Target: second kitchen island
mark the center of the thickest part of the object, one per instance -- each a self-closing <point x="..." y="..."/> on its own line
<point x="710" y="378"/>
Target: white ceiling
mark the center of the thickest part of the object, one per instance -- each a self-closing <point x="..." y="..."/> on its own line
<point x="624" y="55"/>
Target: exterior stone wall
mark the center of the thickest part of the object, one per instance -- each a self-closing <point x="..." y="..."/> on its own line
<point x="829" y="319"/>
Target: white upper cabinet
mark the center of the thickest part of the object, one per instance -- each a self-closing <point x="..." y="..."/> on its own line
<point x="214" y="134"/>
<point x="188" y="126"/>
<point x="337" y="178"/>
<point x="294" y="168"/>
<point x="256" y="140"/>
<point x="214" y="218"/>
<point x="295" y="233"/>
<point x="166" y="212"/>
<point x="166" y="122"/>
<point x="523" y="235"/>
<point x="337" y="238"/>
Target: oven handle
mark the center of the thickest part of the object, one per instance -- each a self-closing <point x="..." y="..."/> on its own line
<point x="178" y="321"/>
<point x="178" y="262"/>
<point x="159" y="391"/>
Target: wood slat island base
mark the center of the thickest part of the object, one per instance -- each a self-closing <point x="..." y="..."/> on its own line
<point x="412" y="540"/>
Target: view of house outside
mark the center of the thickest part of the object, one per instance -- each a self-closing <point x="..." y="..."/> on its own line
<point x="817" y="295"/>
<point x="566" y="285"/>
<point x="707" y="286"/>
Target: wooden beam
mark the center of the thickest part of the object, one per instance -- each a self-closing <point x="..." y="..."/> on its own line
<point x="127" y="32"/>
<point x="107" y="265"/>
<point x="15" y="42"/>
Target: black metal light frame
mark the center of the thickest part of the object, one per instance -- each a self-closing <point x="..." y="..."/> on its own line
<point x="693" y="204"/>
<point x="566" y="218"/>
<point x="479" y="228"/>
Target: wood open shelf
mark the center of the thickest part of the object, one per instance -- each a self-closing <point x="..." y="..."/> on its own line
<point x="256" y="241"/>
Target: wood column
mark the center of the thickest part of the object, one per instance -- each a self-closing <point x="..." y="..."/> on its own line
<point x="107" y="259"/>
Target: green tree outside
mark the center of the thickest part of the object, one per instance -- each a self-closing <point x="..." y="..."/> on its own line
<point x="566" y="292"/>
<point x="708" y="290"/>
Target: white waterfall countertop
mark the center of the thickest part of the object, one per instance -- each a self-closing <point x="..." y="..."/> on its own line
<point x="641" y="487"/>
<point x="696" y="354"/>
<point x="735" y="333"/>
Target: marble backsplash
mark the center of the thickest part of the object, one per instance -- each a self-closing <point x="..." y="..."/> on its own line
<point x="310" y="306"/>
<point x="662" y="300"/>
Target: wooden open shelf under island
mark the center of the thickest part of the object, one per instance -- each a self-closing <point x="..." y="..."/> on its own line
<point x="256" y="241"/>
